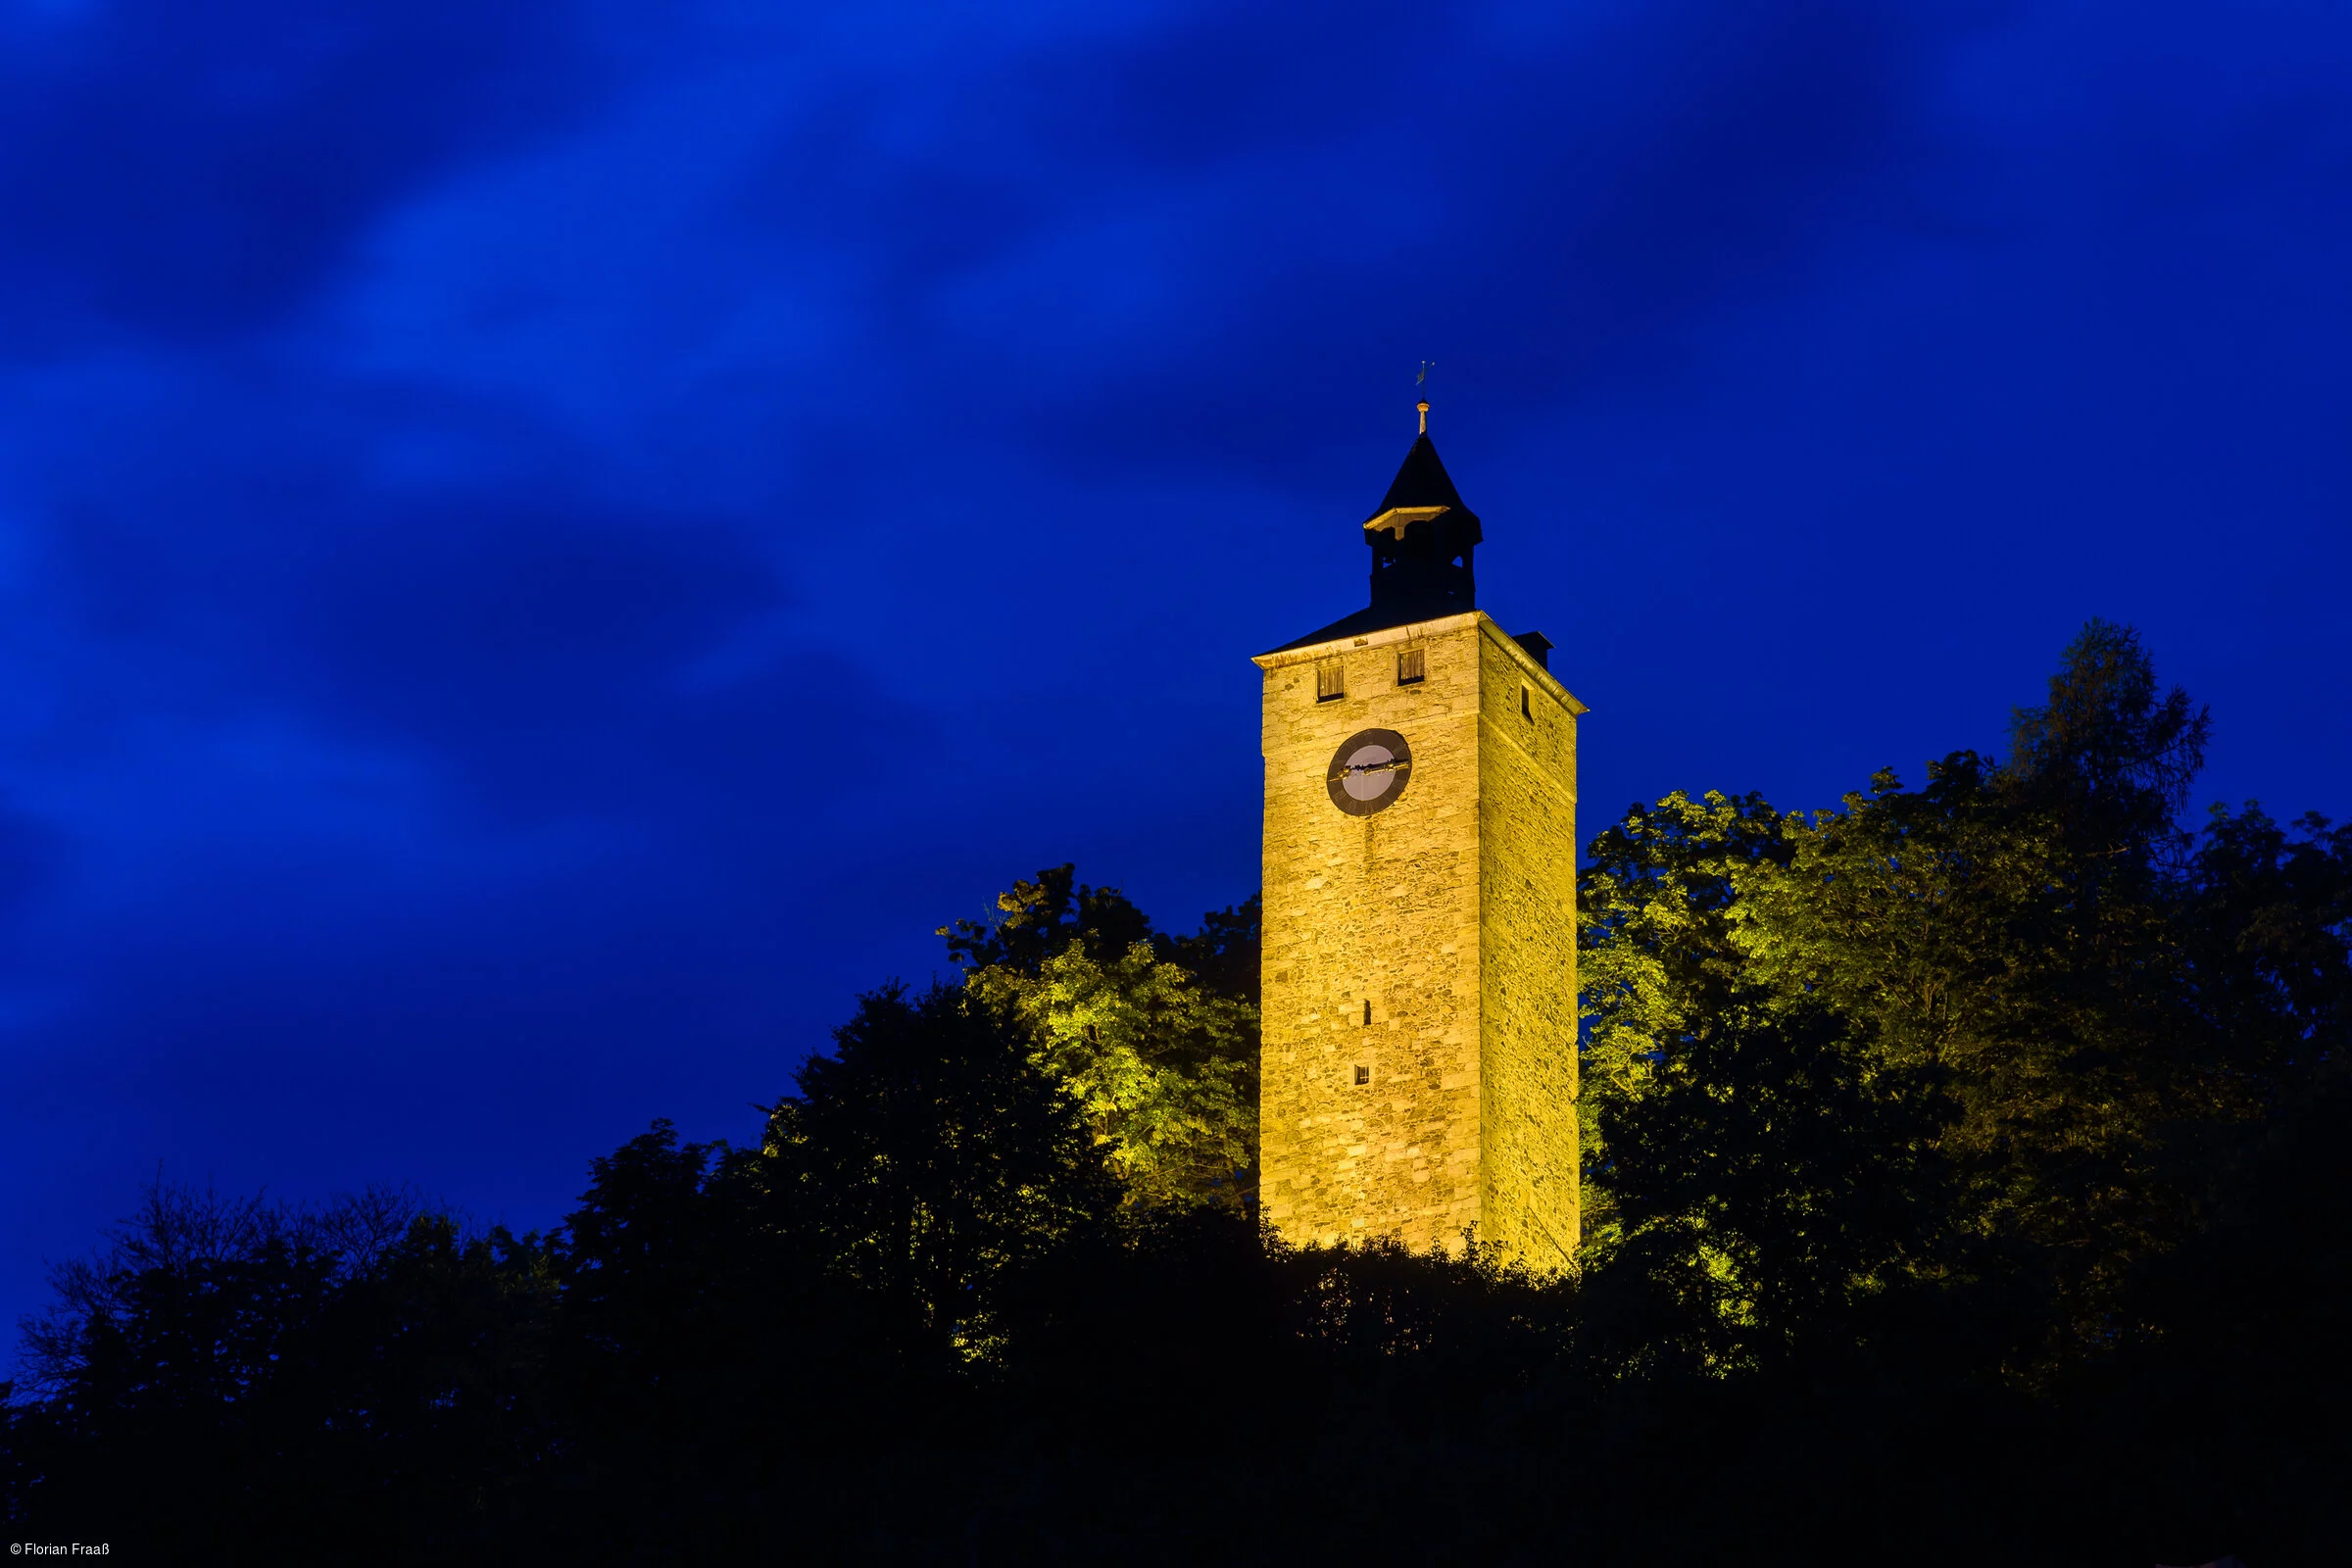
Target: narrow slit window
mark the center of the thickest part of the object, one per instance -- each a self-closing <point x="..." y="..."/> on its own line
<point x="1367" y="1012"/>
<point x="1412" y="665"/>
<point x="1526" y="708"/>
<point x="1331" y="682"/>
<point x="1363" y="1075"/>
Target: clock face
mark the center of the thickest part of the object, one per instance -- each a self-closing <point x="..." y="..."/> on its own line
<point x="1368" y="772"/>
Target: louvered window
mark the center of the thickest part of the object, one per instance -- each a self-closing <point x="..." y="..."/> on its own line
<point x="1412" y="665"/>
<point x="1329" y="682"/>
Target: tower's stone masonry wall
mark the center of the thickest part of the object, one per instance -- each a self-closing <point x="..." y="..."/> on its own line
<point x="1380" y="908"/>
<point x="1451" y="911"/>
<point x="1526" y="922"/>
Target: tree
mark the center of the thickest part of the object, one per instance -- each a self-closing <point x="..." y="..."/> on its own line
<point x="2106" y="757"/>
<point x="927" y="1154"/>
<point x="1656" y="957"/>
<point x="1223" y="955"/>
<point x="1775" y="1178"/>
<point x="708" y="1358"/>
<point x="2050" y="992"/>
<point x="1040" y="920"/>
<point x="1163" y="1068"/>
<point x="2268" y="934"/>
<point x="1162" y="1063"/>
<point x="229" y="1376"/>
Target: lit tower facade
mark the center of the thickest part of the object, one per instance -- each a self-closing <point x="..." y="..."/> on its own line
<point x="1418" y="1066"/>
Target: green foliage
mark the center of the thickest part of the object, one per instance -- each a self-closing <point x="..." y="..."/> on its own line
<point x="1776" y="1177"/>
<point x="1038" y="920"/>
<point x="1162" y="1063"/>
<point x="1953" y="920"/>
<point x="1999" y="1031"/>
<point x="927" y="1154"/>
<point x="1656" y="956"/>
<point x="1163" y="1068"/>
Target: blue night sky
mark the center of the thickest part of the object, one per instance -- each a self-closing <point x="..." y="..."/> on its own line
<point x="545" y="547"/>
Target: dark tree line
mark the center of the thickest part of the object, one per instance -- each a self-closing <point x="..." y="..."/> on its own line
<point x="1970" y="1179"/>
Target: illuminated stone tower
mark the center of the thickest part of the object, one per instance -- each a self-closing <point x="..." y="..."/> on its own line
<point x="1419" y="1056"/>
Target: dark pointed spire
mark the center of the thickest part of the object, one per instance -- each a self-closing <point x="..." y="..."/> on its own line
<point x="1422" y="481"/>
<point x="1422" y="540"/>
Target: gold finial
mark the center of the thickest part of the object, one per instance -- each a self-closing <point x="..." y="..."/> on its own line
<point x="1424" y="407"/>
<point x="1421" y="377"/>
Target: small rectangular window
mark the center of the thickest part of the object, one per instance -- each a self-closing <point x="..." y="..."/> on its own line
<point x="1367" y="1013"/>
<point x="1363" y="1075"/>
<point x="1411" y="666"/>
<point x="1526" y="712"/>
<point x="1329" y="682"/>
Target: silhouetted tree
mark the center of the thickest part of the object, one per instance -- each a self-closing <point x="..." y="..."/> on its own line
<point x="1223" y="955"/>
<point x="227" y="1377"/>
<point x="927" y="1154"/>
<point x="1774" y="1179"/>
<point x="710" y="1362"/>
<point x="2106" y="760"/>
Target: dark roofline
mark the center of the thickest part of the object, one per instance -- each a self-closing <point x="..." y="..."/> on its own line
<point x="1360" y="624"/>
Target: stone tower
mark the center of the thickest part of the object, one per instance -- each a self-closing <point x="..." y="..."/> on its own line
<point x="1419" y="1054"/>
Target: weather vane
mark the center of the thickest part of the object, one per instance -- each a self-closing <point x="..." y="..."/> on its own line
<point x="1420" y="377"/>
